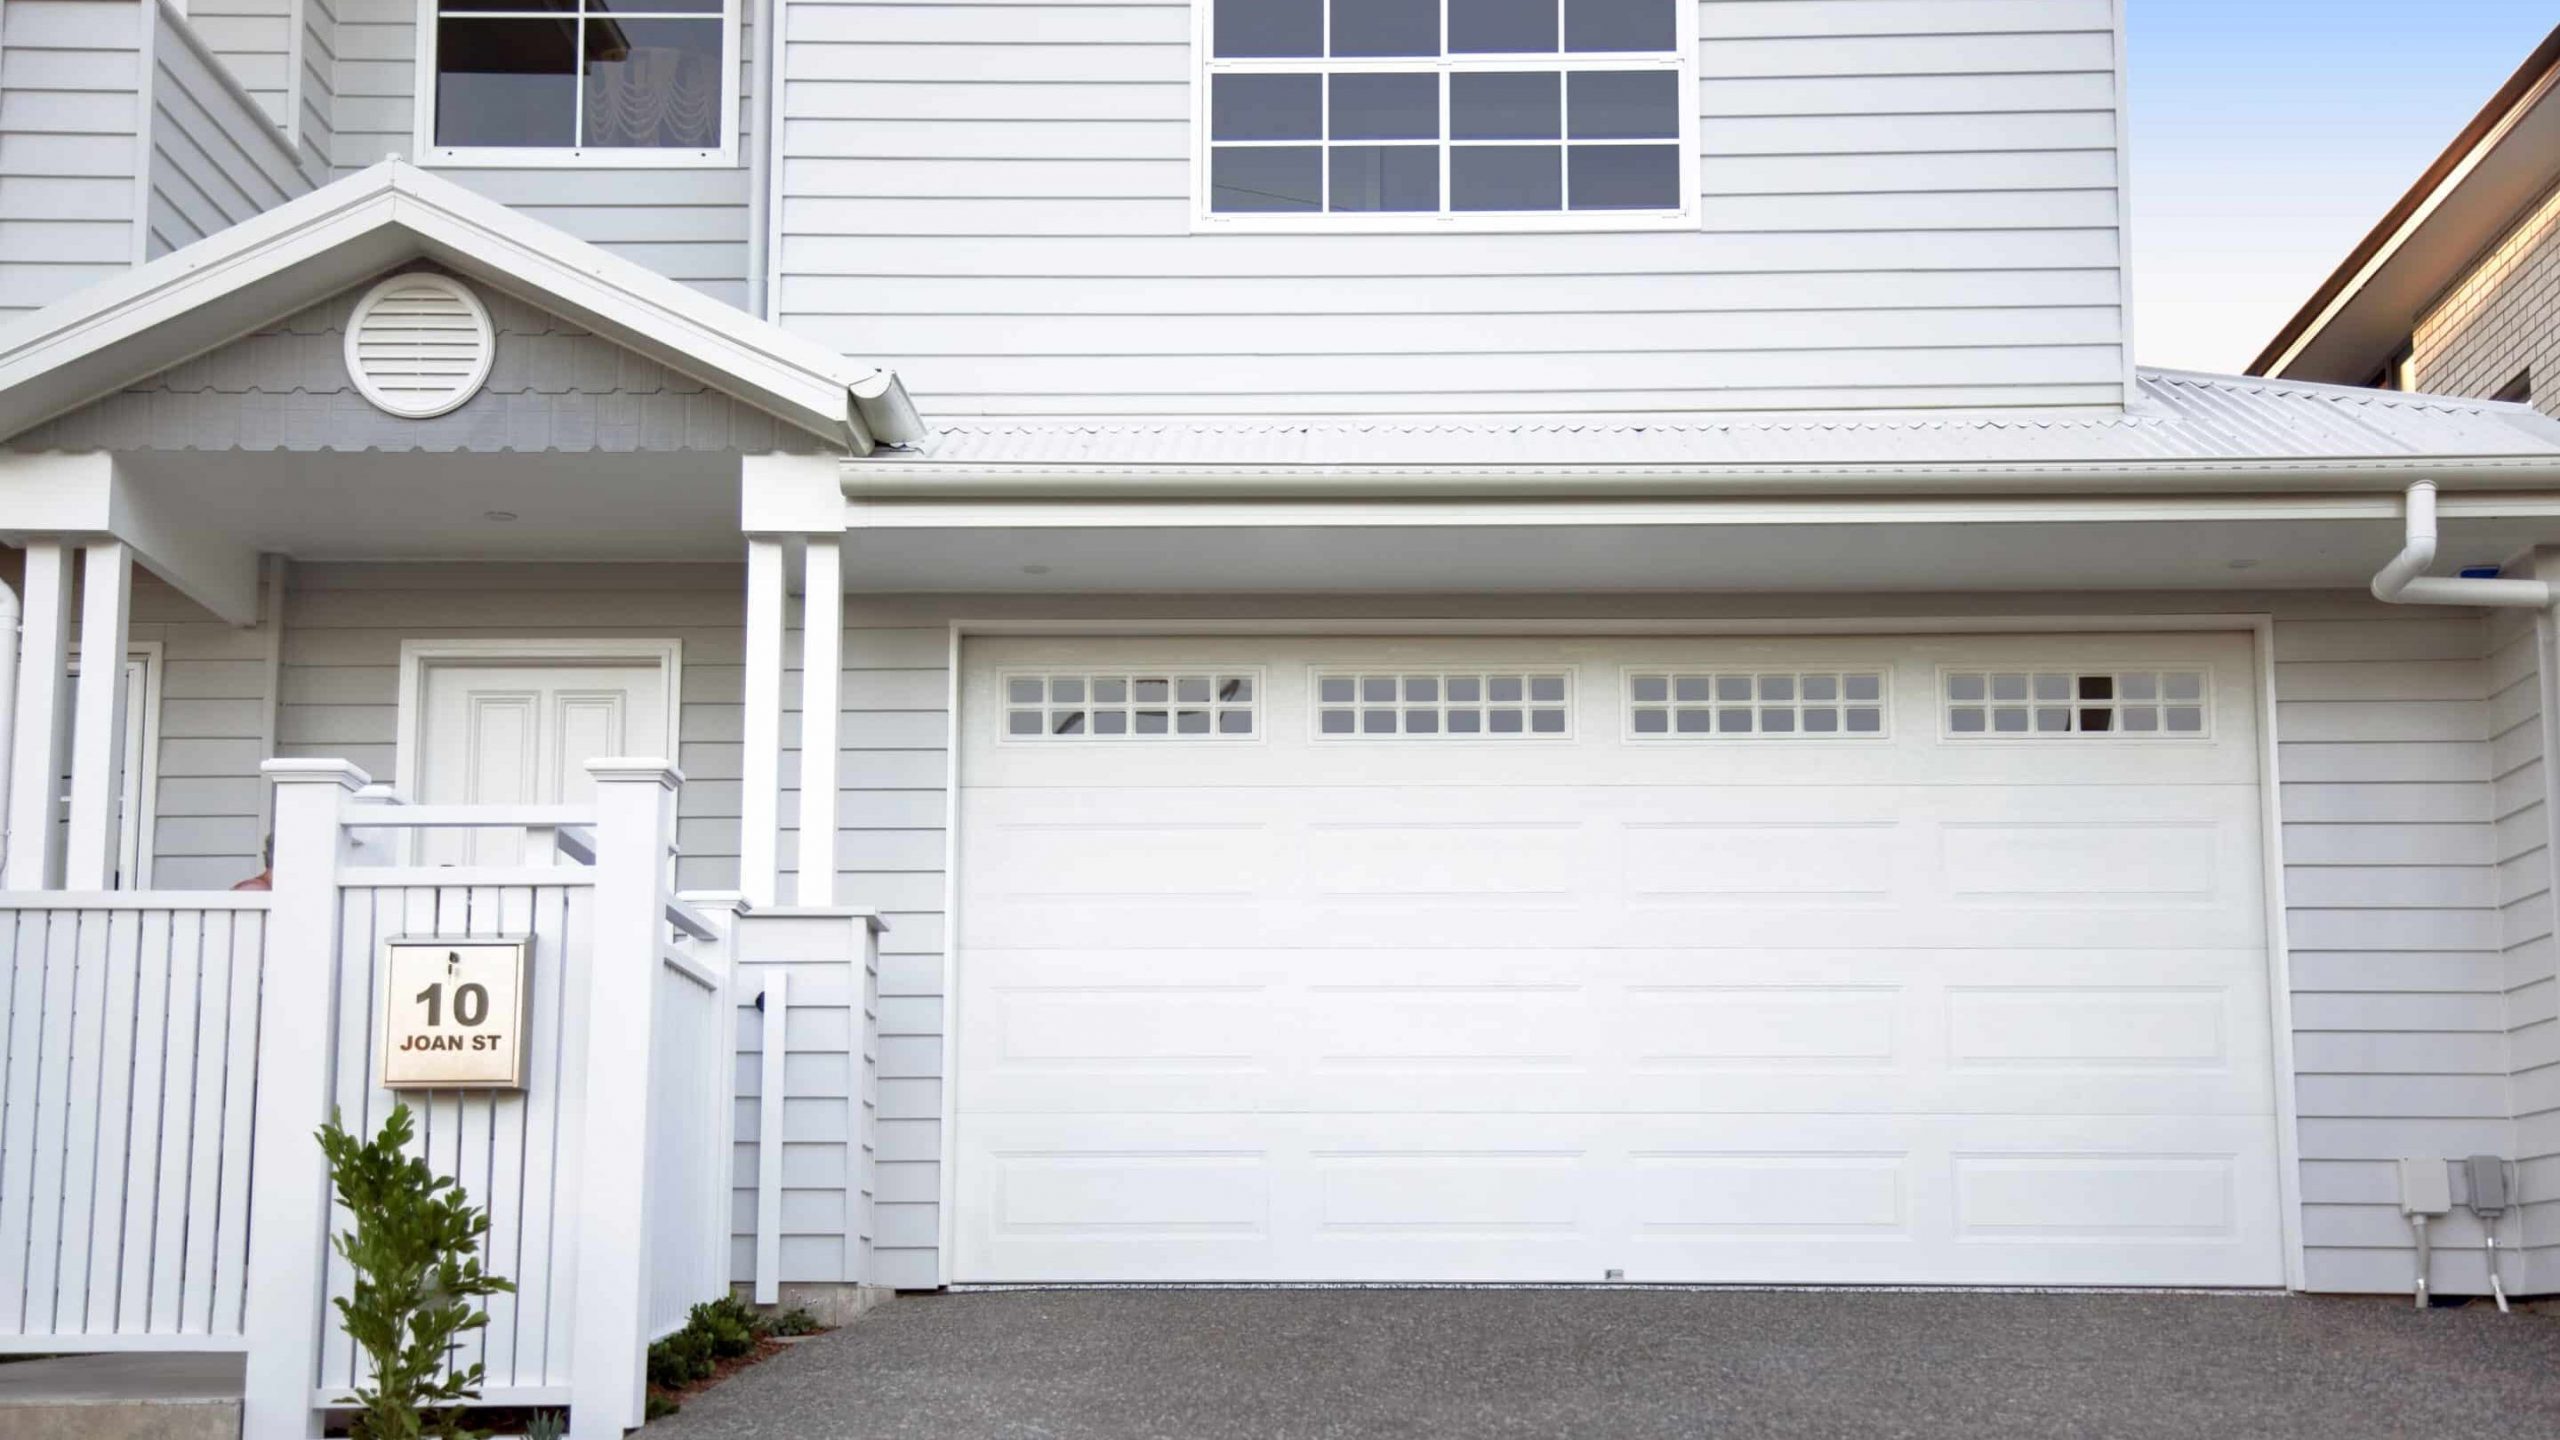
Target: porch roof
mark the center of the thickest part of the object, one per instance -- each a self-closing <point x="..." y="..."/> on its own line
<point x="303" y="251"/>
<point x="2184" y="432"/>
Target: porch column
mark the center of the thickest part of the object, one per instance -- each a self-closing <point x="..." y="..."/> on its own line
<point x="35" y="750"/>
<point x="760" y="769"/>
<point x="97" y="729"/>
<point x="821" y="702"/>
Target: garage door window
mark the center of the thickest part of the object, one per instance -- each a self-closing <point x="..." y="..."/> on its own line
<point x="1993" y="704"/>
<point x="1161" y="705"/>
<point x="1700" y="705"/>
<point x="1464" y="705"/>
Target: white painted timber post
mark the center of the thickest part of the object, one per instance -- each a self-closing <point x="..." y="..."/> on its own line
<point x="97" y="725"/>
<point x="760" y="767"/>
<point x="821" y="701"/>
<point x="35" y="745"/>
<point x="635" y="802"/>
<point x="287" y="1306"/>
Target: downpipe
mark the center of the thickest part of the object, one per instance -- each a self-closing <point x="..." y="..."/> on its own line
<point x="2404" y="580"/>
<point x="8" y="701"/>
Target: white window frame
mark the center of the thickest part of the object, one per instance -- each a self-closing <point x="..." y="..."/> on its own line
<point x="597" y="157"/>
<point x="1628" y="705"/>
<point x="1259" y="707"/>
<point x="1572" y="704"/>
<point x="1949" y="735"/>
<point x="1689" y="216"/>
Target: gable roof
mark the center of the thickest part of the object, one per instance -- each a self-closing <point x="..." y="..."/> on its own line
<point x="2184" y="432"/>
<point x="2505" y="158"/>
<point x="268" y="267"/>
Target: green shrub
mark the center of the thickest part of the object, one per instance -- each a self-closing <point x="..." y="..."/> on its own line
<point x="659" y="1407"/>
<point x="732" y="1328"/>
<point x="414" y="1249"/>
<point x="680" y="1359"/>
<point x="547" y="1425"/>
<point x="796" y="1321"/>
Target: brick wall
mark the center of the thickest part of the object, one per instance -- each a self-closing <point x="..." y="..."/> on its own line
<point x="2501" y="318"/>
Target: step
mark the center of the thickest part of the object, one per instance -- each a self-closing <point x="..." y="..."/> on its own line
<point x="154" y="1396"/>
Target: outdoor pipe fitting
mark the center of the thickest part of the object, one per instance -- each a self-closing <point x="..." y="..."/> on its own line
<point x="2404" y="580"/>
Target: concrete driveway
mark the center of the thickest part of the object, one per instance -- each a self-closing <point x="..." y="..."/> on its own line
<point x="1636" y="1364"/>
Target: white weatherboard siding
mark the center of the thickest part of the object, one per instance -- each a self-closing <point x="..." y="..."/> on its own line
<point x="315" y="109"/>
<point x="686" y="223"/>
<point x="72" y="86"/>
<point x="1906" y="203"/>
<point x="2521" y="717"/>
<point x="254" y="38"/>
<point x="1896" y="1007"/>
<point x="344" y="625"/>
<point x="216" y="158"/>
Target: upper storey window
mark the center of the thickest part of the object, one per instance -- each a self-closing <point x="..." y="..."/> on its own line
<point x="589" y="82"/>
<point x="1455" y="114"/>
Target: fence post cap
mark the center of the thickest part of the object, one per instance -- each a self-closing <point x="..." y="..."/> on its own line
<point x="341" y="773"/>
<point x="630" y="769"/>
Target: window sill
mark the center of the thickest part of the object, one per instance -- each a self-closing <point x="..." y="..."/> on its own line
<point x="507" y="157"/>
<point x="1588" y="221"/>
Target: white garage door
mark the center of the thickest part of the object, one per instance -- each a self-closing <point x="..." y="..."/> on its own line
<point x="1931" y="960"/>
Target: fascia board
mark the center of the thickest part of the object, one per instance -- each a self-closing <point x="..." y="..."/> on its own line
<point x="2517" y="140"/>
<point x="874" y="479"/>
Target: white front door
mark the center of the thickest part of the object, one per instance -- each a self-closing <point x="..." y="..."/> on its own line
<point x="521" y="734"/>
<point x="1935" y="960"/>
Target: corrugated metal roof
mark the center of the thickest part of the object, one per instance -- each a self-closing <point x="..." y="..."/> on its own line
<point x="2179" y="417"/>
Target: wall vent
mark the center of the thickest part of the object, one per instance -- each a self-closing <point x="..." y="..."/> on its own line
<point x="419" y="345"/>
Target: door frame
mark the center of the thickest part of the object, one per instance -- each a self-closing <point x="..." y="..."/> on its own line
<point x="417" y="657"/>
<point x="137" y="831"/>
<point x="2259" y="626"/>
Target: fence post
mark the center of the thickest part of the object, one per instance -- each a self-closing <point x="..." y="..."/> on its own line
<point x="297" y="1004"/>
<point x="635" y="803"/>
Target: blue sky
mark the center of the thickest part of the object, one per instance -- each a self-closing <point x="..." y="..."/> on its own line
<point x="2269" y="135"/>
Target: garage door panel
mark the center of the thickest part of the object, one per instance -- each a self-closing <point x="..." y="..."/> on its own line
<point x="1774" y="1199"/>
<point x="1915" y="1007"/>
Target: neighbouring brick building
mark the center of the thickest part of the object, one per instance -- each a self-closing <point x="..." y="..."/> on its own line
<point x="2457" y="290"/>
<point x="2495" y="334"/>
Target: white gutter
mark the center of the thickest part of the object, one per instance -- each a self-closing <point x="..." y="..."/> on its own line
<point x="886" y="477"/>
<point x="886" y="414"/>
<point x="2404" y="580"/>
<point x="8" y="697"/>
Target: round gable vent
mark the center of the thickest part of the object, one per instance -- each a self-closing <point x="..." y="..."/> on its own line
<point x="419" y="345"/>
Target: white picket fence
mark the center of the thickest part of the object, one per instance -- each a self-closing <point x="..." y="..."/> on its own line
<point x="128" y="1074"/>
<point x="692" y="1073"/>
<point x="163" y="1049"/>
<point x="506" y="1147"/>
